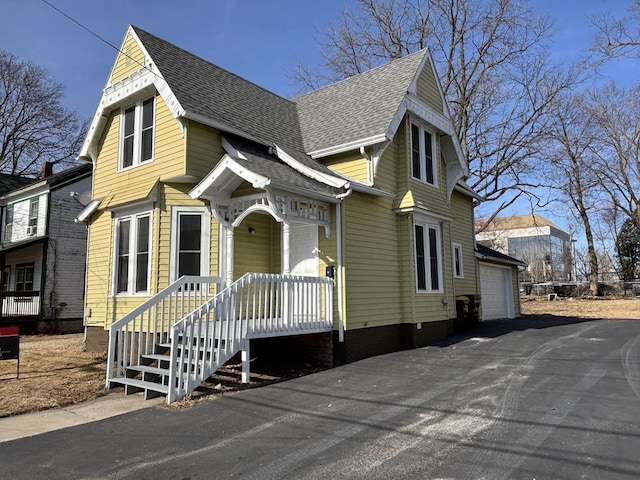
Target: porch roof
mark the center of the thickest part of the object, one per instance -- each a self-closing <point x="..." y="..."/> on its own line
<point x="262" y="161"/>
<point x="12" y="247"/>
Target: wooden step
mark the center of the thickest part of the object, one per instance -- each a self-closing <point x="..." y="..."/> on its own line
<point x="149" y="369"/>
<point x="133" y="385"/>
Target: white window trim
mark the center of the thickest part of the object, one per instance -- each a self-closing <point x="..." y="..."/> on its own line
<point x="133" y="235"/>
<point x="426" y="226"/>
<point x="423" y="177"/>
<point x="457" y="246"/>
<point x="137" y="134"/>
<point x="206" y="240"/>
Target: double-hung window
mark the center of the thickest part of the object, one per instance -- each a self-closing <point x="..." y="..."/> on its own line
<point x="137" y="133"/>
<point x="32" y="228"/>
<point x="133" y="253"/>
<point x="8" y="223"/>
<point x="458" y="270"/>
<point x="428" y="257"/>
<point x="24" y="277"/>
<point x="423" y="165"/>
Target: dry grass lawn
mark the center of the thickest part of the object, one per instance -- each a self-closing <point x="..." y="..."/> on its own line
<point x="55" y="371"/>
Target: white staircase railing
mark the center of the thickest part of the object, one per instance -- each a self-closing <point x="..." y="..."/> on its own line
<point x="257" y="305"/>
<point x="138" y="332"/>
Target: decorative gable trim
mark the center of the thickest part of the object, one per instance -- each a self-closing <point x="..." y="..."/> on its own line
<point x="310" y="172"/>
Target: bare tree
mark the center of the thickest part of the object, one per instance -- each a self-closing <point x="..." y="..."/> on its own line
<point x="618" y="37"/>
<point x="570" y="171"/>
<point x="492" y="57"/>
<point x="615" y="112"/>
<point x="34" y="126"/>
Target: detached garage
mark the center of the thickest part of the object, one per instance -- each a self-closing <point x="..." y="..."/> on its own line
<point x="500" y="297"/>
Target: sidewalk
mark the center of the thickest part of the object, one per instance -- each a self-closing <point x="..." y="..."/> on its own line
<point x="112" y="404"/>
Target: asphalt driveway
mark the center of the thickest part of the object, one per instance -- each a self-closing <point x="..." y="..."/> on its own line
<point x="530" y="398"/>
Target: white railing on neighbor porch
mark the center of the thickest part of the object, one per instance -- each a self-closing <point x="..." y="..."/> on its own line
<point x="138" y="332"/>
<point x="19" y="304"/>
<point x="258" y="305"/>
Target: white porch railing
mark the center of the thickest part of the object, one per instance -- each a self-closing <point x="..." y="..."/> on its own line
<point x="138" y="332"/>
<point x="256" y="306"/>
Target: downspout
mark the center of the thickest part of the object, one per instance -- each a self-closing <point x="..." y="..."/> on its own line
<point x="339" y="266"/>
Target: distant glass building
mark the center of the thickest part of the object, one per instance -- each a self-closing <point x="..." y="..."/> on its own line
<point x="533" y="239"/>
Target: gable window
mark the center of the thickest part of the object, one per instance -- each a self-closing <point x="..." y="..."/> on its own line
<point x="428" y="258"/>
<point x="132" y="262"/>
<point x="137" y="133"/>
<point x="24" y="277"/>
<point x="458" y="270"/>
<point x="423" y="167"/>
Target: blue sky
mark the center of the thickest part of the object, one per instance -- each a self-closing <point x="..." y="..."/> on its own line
<point x="258" y="39"/>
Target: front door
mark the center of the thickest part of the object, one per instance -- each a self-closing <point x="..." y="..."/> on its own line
<point x="304" y="263"/>
<point x="304" y="250"/>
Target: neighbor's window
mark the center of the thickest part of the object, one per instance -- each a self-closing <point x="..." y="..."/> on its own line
<point x="137" y="133"/>
<point x="32" y="228"/>
<point x="132" y="263"/>
<point x="8" y="224"/>
<point x="423" y="167"/>
<point x="458" y="270"/>
<point x="428" y="258"/>
<point x="24" y="277"/>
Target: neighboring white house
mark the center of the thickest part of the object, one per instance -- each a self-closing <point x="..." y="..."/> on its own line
<point x="538" y="242"/>
<point x="42" y="249"/>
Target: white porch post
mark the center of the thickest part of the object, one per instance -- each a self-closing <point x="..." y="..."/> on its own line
<point x="229" y="257"/>
<point x="286" y="248"/>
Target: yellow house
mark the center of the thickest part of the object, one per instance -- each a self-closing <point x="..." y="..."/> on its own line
<point x="222" y="213"/>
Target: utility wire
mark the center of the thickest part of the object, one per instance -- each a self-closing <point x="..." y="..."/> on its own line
<point x="98" y="36"/>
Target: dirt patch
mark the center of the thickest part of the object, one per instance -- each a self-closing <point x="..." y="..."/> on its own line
<point x="55" y="371"/>
<point x="582" y="307"/>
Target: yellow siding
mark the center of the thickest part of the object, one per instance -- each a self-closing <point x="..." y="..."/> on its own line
<point x="462" y="233"/>
<point x="388" y="168"/>
<point x="427" y="89"/>
<point x="128" y="61"/>
<point x="372" y="272"/>
<point x="258" y="252"/>
<point x="204" y="149"/>
<point x="351" y="165"/>
<point x="116" y="188"/>
<point x="98" y="266"/>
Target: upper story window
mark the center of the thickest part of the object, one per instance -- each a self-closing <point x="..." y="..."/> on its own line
<point x="8" y="224"/>
<point x="423" y="166"/>
<point x="428" y="257"/>
<point x="32" y="227"/>
<point x="133" y="259"/>
<point x="137" y="133"/>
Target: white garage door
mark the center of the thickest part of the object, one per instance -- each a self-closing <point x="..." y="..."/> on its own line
<point x="496" y="292"/>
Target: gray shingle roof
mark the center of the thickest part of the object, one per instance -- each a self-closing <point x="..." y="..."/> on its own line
<point x="358" y="107"/>
<point x="259" y="160"/>
<point x="215" y="93"/>
<point x="9" y="183"/>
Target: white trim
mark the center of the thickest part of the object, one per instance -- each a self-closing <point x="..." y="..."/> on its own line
<point x="345" y="147"/>
<point x="455" y="246"/>
<point x="87" y="211"/>
<point x="325" y="178"/>
<point x="424" y="215"/>
<point x="205" y="239"/>
<point x="435" y="171"/>
<point x="133" y="218"/>
<point x="426" y="226"/>
<point x="138" y="115"/>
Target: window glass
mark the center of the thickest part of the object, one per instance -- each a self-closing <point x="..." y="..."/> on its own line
<point x="142" y="255"/>
<point x="137" y="133"/>
<point x="189" y="244"/>
<point x="123" y="256"/>
<point x="415" y="152"/>
<point x="24" y="277"/>
<point x="428" y="264"/>
<point x="423" y="166"/>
